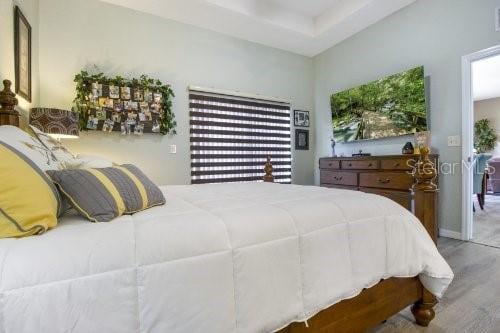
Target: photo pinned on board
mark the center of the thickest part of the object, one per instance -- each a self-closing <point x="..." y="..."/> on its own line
<point x="108" y="125"/>
<point x="125" y="93"/>
<point x="96" y="89"/>
<point x="138" y="94"/>
<point x="148" y="96"/>
<point x="92" y="123"/>
<point x="100" y="114"/>
<point x="114" y="92"/>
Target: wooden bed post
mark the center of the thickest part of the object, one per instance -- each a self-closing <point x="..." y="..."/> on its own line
<point x="425" y="194"/>
<point x="268" y="169"/>
<point x="8" y="100"/>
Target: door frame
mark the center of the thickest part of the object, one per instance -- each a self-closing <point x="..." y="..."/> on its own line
<point x="468" y="135"/>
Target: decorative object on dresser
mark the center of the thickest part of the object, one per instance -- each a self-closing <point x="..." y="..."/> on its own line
<point x="301" y="118"/>
<point x="389" y="176"/>
<point x="22" y="50"/>
<point x="376" y="304"/>
<point x="59" y="124"/>
<point x="408" y="149"/>
<point x="8" y="101"/>
<point x="301" y="139"/>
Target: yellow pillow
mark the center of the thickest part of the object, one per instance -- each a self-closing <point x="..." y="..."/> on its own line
<point x="29" y="201"/>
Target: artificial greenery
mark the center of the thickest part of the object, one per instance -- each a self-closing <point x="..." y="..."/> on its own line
<point x="83" y="104"/>
<point x="484" y="136"/>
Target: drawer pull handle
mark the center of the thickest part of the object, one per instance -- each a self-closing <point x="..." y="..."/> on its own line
<point x="384" y="181"/>
<point x="350" y="164"/>
<point x="338" y="178"/>
<point x="396" y="165"/>
<point x="329" y="164"/>
<point x="370" y="164"/>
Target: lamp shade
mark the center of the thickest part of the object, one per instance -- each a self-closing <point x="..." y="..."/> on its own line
<point x="60" y="124"/>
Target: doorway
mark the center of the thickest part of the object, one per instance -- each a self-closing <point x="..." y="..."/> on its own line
<point x="481" y="92"/>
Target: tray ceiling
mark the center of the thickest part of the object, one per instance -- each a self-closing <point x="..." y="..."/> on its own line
<point x="306" y="27"/>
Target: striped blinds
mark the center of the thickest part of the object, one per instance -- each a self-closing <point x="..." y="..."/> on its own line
<point x="232" y="136"/>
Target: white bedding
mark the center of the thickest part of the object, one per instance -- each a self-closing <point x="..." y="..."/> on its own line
<point x="249" y="257"/>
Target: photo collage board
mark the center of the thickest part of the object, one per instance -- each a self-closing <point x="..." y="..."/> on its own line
<point x="129" y="110"/>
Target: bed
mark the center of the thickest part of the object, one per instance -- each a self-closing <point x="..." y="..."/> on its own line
<point x="250" y="257"/>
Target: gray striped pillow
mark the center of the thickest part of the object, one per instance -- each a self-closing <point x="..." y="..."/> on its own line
<point x="103" y="194"/>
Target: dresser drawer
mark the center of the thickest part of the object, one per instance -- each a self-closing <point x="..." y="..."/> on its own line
<point x="402" y="198"/>
<point x="329" y="164"/>
<point x="389" y="180"/>
<point x="341" y="187"/>
<point x="397" y="164"/>
<point x="360" y="165"/>
<point x="339" y="178"/>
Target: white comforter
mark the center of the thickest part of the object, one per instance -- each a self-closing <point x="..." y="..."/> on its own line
<point x="216" y="258"/>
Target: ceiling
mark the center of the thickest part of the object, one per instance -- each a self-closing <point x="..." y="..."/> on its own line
<point x="486" y="78"/>
<point x="306" y="27"/>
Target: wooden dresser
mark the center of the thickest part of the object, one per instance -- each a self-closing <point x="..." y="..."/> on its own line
<point x="384" y="175"/>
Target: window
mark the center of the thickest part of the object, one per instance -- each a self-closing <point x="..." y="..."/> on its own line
<point x="232" y="136"/>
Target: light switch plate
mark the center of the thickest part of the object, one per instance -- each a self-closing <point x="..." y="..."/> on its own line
<point x="454" y="141"/>
<point x="173" y="149"/>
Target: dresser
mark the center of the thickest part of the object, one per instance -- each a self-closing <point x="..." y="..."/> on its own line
<point x="389" y="175"/>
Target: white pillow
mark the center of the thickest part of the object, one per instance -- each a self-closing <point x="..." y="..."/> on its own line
<point x="60" y="152"/>
<point x="30" y="146"/>
<point x="87" y="162"/>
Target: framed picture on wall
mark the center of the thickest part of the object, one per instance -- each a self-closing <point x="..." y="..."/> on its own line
<point x="301" y="118"/>
<point x="22" y="54"/>
<point x="301" y="139"/>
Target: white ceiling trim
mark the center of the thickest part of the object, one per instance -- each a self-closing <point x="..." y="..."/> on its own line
<point x="303" y="27"/>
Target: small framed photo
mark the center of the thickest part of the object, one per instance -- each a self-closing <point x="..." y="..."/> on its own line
<point x="125" y="93"/>
<point x="301" y="139"/>
<point x="114" y="92"/>
<point x="301" y="118"/>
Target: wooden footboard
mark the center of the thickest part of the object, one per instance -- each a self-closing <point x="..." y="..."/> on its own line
<point x="374" y="305"/>
<point x="369" y="308"/>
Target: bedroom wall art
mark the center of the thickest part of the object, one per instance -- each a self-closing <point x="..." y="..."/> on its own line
<point x="392" y="106"/>
<point x="130" y="106"/>
<point x="22" y="56"/>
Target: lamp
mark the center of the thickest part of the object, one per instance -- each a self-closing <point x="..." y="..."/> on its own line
<point x="59" y="124"/>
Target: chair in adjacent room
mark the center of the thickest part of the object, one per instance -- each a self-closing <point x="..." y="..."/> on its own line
<point x="480" y="185"/>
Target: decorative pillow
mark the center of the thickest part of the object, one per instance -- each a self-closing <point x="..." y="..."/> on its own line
<point x="29" y="201"/>
<point x="87" y="161"/>
<point x="61" y="153"/>
<point x="106" y="193"/>
<point x="30" y="146"/>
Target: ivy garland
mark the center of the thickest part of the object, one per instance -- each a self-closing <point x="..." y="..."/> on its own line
<point x="83" y="104"/>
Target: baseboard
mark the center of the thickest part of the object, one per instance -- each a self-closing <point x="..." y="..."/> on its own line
<point x="450" y="234"/>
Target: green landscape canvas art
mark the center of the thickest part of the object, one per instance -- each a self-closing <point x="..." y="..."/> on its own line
<point x="389" y="107"/>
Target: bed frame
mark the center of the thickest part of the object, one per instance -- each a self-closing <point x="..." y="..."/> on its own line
<point x="380" y="302"/>
<point x="372" y="306"/>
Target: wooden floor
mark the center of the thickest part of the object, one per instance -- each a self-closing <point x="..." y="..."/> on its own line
<point x="472" y="303"/>
<point x="486" y="229"/>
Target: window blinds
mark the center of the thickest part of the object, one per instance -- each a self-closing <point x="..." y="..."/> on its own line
<point x="232" y="136"/>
